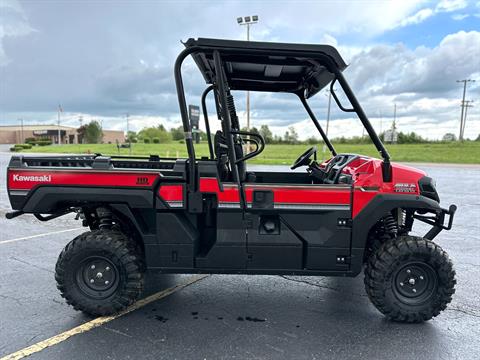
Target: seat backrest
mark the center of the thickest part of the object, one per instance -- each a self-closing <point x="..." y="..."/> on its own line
<point x="221" y="153"/>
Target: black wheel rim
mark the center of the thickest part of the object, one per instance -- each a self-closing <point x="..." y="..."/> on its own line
<point x="415" y="283"/>
<point x="97" y="277"/>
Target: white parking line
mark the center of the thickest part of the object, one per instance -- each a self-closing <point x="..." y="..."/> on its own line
<point x="39" y="235"/>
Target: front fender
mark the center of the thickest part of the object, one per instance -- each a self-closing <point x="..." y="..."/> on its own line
<point x="376" y="209"/>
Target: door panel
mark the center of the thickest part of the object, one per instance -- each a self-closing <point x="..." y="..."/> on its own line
<point x="311" y="232"/>
<point x="228" y="248"/>
<point x="272" y="245"/>
<point x="287" y="226"/>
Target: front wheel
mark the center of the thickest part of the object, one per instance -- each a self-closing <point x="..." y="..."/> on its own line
<point x="410" y="279"/>
<point x="100" y="272"/>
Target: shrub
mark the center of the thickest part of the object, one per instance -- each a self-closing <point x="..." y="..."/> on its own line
<point x="30" y="140"/>
<point x="155" y="132"/>
<point x="15" y="149"/>
<point x="156" y="140"/>
<point x="43" y="142"/>
<point x="146" y="141"/>
<point x="23" y="146"/>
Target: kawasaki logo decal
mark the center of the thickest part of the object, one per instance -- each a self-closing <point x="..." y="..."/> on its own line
<point x="32" y="178"/>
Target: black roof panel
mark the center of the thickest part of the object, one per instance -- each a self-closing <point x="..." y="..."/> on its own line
<point x="268" y="66"/>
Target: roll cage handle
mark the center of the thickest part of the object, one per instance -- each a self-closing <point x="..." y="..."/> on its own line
<point x="207" y="123"/>
<point x="332" y="91"/>
<point x="259" y="143"/>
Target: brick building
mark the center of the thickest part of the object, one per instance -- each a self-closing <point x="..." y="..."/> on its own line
<point x="68" y="135"/>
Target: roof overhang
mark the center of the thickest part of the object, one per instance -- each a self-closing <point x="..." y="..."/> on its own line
<point x="267" y="66"/>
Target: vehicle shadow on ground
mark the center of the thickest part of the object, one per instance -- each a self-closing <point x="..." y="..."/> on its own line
<point x="272" y="316"/>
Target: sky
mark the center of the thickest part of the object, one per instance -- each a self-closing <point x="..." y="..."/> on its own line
<point x="103" y="59"/>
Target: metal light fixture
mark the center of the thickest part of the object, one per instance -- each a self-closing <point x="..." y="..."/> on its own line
<point x="247" y="20"/>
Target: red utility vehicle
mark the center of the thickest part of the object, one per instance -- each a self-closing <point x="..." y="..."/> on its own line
<point x="213" y="215"/>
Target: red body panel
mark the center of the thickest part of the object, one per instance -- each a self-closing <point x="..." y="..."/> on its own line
<point x="368" y="181"/>
<point x="282" y="194"/>
<point x="28" y="179"/>
<point x="172" y="194"/>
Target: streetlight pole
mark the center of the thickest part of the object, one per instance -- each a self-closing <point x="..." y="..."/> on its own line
<point x="21" y="131"/>
<point x="248" y="20"/>
<point x="465" y="81"/>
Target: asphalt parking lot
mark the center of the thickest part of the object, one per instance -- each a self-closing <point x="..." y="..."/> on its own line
<point x="236" y="317"/>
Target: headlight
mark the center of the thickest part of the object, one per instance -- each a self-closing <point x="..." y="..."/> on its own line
<point x="428" y="189"/>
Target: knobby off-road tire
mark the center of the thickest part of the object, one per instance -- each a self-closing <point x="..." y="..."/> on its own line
<point x="410" y="279"/>
<point x="100" y="272"/>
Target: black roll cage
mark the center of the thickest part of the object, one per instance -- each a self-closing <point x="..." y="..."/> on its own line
<point x="219" y="88"/>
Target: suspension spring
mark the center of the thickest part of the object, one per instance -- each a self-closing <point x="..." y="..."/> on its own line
<point x="105" y="218"/>
<point x="390" y="225"/>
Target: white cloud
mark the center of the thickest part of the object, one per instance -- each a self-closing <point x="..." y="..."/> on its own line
<point x="105" y="68"/>
<point x="459" y="17"/>
<point x="13" y="23"/>
<point x="396" y="69"/>
<point x="418" y="17"/>
<point x="444" y="6"/>
<point x="450" y="5"/>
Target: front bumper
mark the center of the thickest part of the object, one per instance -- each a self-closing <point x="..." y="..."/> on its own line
<point x="438" y="221"/>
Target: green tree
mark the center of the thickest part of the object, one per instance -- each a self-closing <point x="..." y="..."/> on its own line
<point x="131" y="137"/>
<point x="410" y="138"/>
<point x="266" y="133"/>
<point x="177" y="133"/>
<point x="312" y="140"/>
<point x="252" y="130"/>
<point x="90" y="133"/>
<point x="291" y="136"/>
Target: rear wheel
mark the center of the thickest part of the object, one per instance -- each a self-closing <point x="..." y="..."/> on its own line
<point x="410" y="279"/>
<point x="100" y="272"/>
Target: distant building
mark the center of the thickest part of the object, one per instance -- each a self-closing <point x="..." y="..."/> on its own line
<point x="68" y="135"/>
<point x="390" y="136"/>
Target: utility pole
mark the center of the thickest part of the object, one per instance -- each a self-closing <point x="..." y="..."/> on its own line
<point x="466" y="105"/>
<point x="324" y="149"/>
<point x="60" y="110"/>
<point x="21" y="127"/>
<point x="462" y="126"/>
<point x="328" y="110"/>
<point x="394" y="115"/>
<point x="381" y="120"/>
<point x="127" y="115"/>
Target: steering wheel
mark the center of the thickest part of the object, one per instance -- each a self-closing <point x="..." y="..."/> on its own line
<point x="304" y="159"/>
